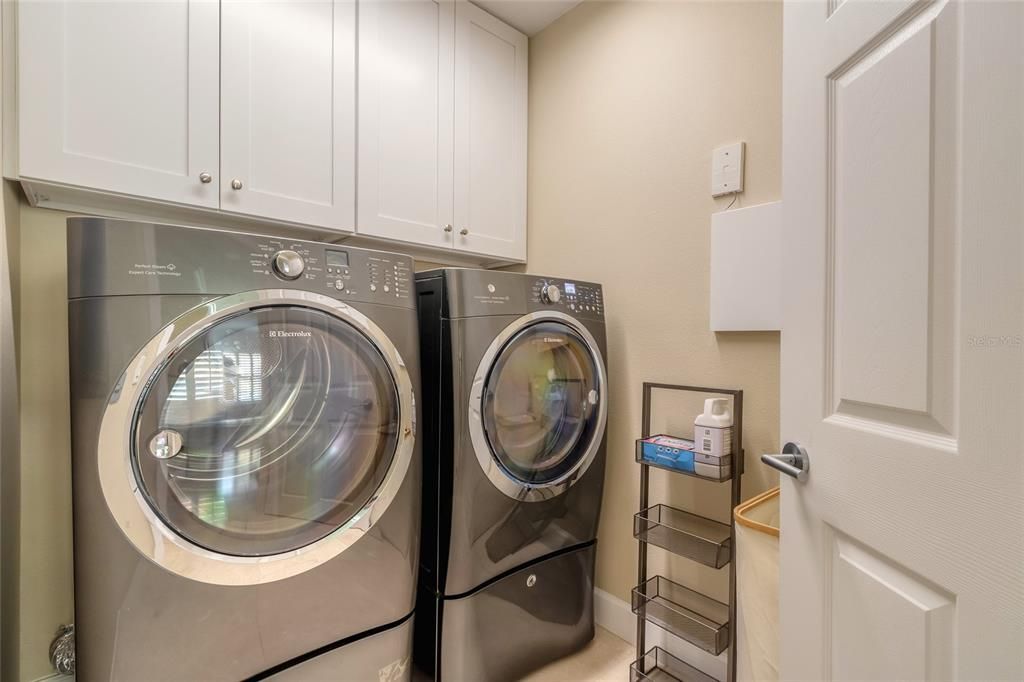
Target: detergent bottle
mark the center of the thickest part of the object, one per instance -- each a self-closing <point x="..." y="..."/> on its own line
<point x="712" y="430"/>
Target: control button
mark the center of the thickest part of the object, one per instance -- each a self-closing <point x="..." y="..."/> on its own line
<point x="288" y="264"/>
<point x="386" y="288"/>
<point x="339" y="285"/>
<point x="373" y="287"/>
<point x="550" y="294"/>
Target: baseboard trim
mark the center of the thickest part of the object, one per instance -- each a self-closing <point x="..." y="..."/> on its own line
<point x="616" y="616"/>
<point x="55" y="676"/>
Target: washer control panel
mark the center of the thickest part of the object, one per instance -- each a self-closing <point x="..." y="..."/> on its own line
<point x="484" y="293"/>
<point x="550" y="293"/>
<point x="573" y="297"/>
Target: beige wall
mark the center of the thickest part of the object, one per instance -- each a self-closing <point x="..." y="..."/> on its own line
<point x="44" y="579"/>
<point x="10" y="513"/>
<point x="627" y="101"/>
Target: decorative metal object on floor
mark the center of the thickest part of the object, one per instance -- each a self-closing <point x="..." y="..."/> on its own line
<point x="62" y="650"/>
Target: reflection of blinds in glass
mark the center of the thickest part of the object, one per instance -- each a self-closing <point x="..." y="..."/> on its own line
<point x="214" y="374"/>
<point x="249" y="377"/>
<point x="207" y="374"/>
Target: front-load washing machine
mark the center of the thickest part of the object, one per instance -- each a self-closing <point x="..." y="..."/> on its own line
<point x="246" y="470"/>
<point x="514" y="428"/>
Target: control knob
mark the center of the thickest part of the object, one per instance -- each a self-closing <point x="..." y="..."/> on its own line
<point x="288" y="264"/>
<point x="550" y="293"/>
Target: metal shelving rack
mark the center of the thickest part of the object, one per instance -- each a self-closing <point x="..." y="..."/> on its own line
<point x="686" y="613"/>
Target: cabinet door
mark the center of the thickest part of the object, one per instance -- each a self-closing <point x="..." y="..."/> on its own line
<point x="490" y="135"/>
<point x="406" y="76"/>
<point x="121" y="97"/>
<point x="288" y="110"/>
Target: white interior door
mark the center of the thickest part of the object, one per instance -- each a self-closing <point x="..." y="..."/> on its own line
<point x="406" y="101"/>
<point x="903" y="341"/>
<point x="121" y="96"/>
<point x="490" y="134"/>
<point x="288" y="110"/>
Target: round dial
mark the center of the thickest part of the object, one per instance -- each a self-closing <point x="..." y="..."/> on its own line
<point x="288" y="264"/>
<point x="550" y="294"/>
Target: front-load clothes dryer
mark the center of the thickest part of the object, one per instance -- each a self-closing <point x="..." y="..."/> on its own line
<point x="246" y="469"/>
<point x="514" y="430"/>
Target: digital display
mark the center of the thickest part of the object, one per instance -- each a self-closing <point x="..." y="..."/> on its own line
<point x="337" y="259"/>
<point x="570" y="288"/>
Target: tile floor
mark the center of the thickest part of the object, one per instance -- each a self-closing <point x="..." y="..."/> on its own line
<point x="605" y="658"/>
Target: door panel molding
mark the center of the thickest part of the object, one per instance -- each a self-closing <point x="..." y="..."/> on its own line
<point x="891" y="267"/>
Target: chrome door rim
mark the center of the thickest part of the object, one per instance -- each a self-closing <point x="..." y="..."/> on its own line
<point x="492" y="468"/>
<point x="148" y="533"/>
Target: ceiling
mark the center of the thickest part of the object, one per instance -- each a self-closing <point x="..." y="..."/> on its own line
<point x="529" y="16"/>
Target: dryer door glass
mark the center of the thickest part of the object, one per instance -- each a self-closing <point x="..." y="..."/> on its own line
<point x="539" y="407"/>
<point x="266" y="432"/>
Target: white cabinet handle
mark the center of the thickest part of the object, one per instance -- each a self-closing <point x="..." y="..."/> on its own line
<point x="205" y="178"/>
<point x="236" y="184"/>
<point x="464" y="231"/>
<point x="448" y="228"/>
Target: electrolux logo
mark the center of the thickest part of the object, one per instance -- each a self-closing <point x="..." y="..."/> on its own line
<point x="278" y="334"/>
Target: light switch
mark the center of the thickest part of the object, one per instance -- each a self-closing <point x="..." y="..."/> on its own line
<point x="727" y="169"/>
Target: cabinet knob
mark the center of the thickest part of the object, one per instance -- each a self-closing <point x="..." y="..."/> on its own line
<point x="464" y="231"/>
<point x="448" y="228"/>
<point x="236" y="184"/>
<point x="205" y="178"/>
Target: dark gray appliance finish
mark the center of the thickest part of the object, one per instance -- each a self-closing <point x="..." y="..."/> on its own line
<point x="138" y="618"/>
<point x="479" y="525"/>
<point x="520" y="622"/>
<point x="123" y="258"/>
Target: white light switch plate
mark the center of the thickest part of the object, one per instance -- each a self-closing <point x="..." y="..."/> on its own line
<point x="727" y="169"/>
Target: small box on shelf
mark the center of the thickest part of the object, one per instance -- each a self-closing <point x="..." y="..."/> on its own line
<point x="664" y="451"/>
<point x="675" y="454"/>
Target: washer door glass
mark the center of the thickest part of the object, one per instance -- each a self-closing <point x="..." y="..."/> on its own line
<point x="266" y="432"/>
<point x="540" y="403"/>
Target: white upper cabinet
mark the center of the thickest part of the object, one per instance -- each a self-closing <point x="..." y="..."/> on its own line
<point x="442" y="127"/>
<point x="288" y="110"/>
<point x="490" y="135"/>
<point x="406" y="100"/>
<point x="250" y="108"/>
<point x="121" y="96"/>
